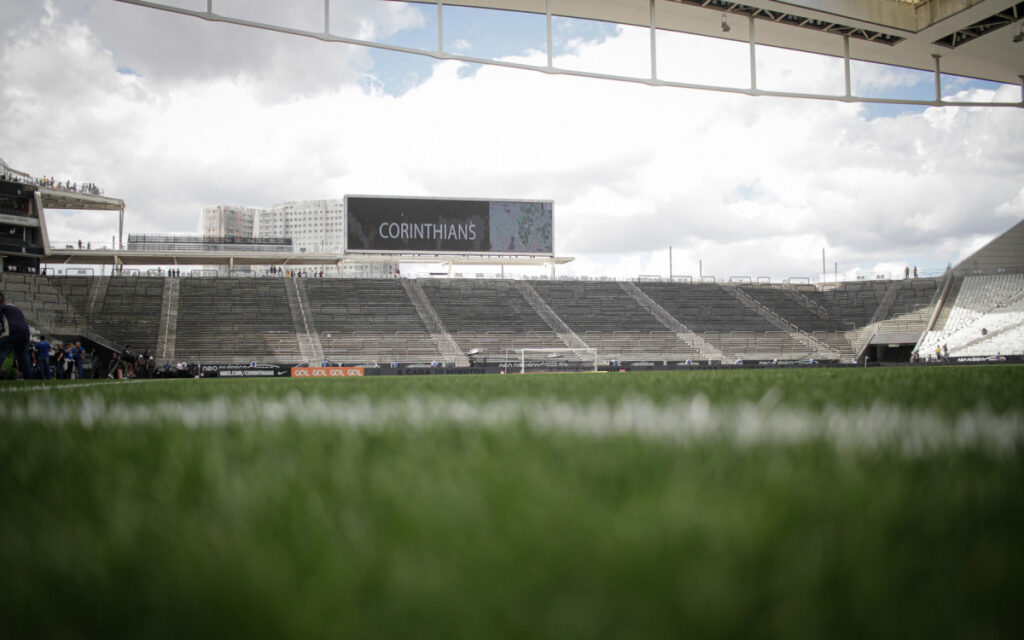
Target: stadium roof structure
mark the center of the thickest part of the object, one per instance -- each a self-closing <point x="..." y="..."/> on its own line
<point x="981" y="39"/>
<point x="51" y="198"/>
<point x="1003" y="253"/>
<point x="61" y="199"/>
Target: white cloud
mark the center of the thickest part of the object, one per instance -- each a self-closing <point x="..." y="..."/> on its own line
<point x="1013" y="209"/>
<point x="749" y="186"/>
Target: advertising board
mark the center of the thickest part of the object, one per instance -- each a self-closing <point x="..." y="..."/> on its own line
<point x="432" y="225"/>
<point x="326" y="372"/>
<point x="242" y="370"/>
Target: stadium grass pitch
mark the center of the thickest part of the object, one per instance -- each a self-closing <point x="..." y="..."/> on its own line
<point x="779" y="503"/>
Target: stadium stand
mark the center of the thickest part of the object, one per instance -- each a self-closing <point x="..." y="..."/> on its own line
<point x="608" y="319"/>
<point x="986" y="317"/>
<point x="364" y="321"/>
<point x="706" y="350"/>
<point x="985" y="294"/>
<point x="77" y="291"/>
<point x="943" y="315"/>
<point x="367" y="321"/>
<point x="808" y="316"/>
<point x="130" y="312"/>
<point x="782" y="302"/>
<point x="234" y="320"/>
<point x="491" y="317"/>
<point x="913" y="302"/>
<point x="724" y="321"/>
<point x="853" y="304"/>
<point x="44" y="303"/>
<point x="903" y="313"/>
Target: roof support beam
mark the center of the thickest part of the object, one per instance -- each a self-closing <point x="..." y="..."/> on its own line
<point x="440" y="26"/>
<point x="440" y="54"/>
<point x="846" y="65"/>
<point x="654" y="44"/>
<point x="548" y="21"/>
<point x="753" y="55"/>
<point x="37" y="202"/>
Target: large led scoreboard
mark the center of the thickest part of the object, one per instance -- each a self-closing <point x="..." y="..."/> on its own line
<point x="433" y="225"/>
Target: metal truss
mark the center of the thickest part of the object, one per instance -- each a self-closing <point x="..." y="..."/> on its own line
<point x="782" y="17"/>
<point x="1004" y="18"/>
<point x="752" y="15"/>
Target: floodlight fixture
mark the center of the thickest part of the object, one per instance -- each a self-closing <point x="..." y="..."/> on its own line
<point x="725" y="25"/>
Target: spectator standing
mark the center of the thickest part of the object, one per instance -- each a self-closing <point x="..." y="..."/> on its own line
<point x="43" y="356"/>
<point x="17" y="338"/>
<point x="58" y="361"/>
<point x="77" y="353"/>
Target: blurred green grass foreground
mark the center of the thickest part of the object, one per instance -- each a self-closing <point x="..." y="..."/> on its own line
<point x="857" y="503"/>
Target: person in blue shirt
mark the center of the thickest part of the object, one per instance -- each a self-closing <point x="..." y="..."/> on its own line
<point x="17" y="338"/>
<point x="77" y="353"/>
<point x="43" y="358"/>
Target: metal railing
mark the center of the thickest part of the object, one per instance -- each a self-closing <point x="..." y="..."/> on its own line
<point x="333" y="272"/>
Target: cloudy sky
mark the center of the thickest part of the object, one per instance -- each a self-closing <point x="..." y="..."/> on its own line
<point x="171" y="113"/>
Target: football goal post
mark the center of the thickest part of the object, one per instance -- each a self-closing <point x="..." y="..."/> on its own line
<point x="540" y="360"/>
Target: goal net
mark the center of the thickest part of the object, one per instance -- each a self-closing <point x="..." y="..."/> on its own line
<point x="548" y="360"/>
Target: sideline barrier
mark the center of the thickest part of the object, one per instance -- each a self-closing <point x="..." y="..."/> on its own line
<point x="267" y="371"/>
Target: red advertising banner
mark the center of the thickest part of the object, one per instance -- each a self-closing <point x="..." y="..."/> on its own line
<point x="326" y="372"/>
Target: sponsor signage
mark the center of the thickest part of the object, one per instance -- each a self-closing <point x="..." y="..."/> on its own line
<point x="808" y="362"/>
<point x="1012" y="359"/>
<point x="327" y="372"/>
<point x="247" y="373"/>
<point x="432" y="225"/>
<point x="20" y="221"/>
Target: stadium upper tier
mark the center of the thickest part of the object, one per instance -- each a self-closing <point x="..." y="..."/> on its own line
<point x="361" y="321"/>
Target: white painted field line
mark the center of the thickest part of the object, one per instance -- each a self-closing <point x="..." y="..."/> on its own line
<point x="84" y="385"/>
<point x="879" y="428"/>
